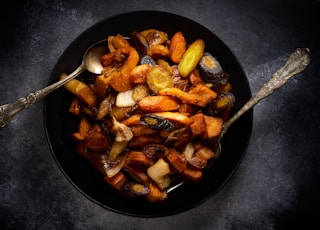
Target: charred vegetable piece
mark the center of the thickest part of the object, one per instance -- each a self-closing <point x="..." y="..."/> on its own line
<point x="139" y="41"/>
<point x="210" y="69"/>
<point x="155" y="150"/>
<point x="155" y="37"/>
<point x="147" y="60"/>
<point x="222" y="102"/>
<point x="191" y="57"/>
<point x="133" y="189"/>
<point x="156" y="122"/>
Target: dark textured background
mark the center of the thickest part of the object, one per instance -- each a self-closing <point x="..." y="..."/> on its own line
<point x="278" y="182"/>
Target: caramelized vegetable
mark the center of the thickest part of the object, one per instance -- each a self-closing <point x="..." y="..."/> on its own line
<point x="138" y="75"/>
<point x="211" y="69"/>
<point x="153" y="104"/>
<point x="178" y="161"/>
<point x="221" y="103"/>
<point x="157" y="51"/>
<point x="191" y="57"/>
<point x="122" y="132"/>
<point x="155" y="193"/>
<point x="155" y="37"/>
<point x="81" y="90"/>
<point x="134" y="189"/>
<point x="206" y="126"/>
<point x="155" y="151"/>
<point x="158" y="78"/>
<point x="156" y="122"/>
<point x="178" y="47"/>
<point x="117" y="181"/>
<point x="189" y="98"/>
<point x="176" y="117"/>
<point x="139" y="41"/>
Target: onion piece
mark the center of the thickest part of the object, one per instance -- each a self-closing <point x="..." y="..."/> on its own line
<point x="125" y="99"/>
<point x="123" y="132"/>
<point x="193" y="160"/>
<point x="188" y="151"/>
<point x="112" y="168"/>
<point x="116" y="148"/>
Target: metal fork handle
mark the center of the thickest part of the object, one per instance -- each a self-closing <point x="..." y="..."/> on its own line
<point x="295" y="64"/>
<point x="8" y="111"/>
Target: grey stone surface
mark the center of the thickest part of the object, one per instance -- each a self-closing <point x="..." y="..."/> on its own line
<point x="277" y="185"/>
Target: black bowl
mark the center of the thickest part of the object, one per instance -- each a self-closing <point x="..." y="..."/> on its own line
<point x="60" y="123"/>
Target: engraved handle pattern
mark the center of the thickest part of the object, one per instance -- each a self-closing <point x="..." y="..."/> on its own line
<point x="295" y="64"/>
<point x="8" y="111"/>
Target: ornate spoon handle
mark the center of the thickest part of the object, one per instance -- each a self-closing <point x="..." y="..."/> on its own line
<point x="295" y="64"/>
<point x="8" y="111"/>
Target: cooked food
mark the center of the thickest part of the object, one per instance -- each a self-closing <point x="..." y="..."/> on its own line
<point x="153" y="114"/>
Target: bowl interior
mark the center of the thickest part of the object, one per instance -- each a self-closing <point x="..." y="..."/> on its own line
<point x="60" y="123"/>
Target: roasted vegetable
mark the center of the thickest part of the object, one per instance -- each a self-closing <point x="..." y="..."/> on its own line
<point x="155" y="151"/>
<point x="139" y="74"/>
<point x="178" y="47"/>
<point x="139" y="41"/>
<point x="146" y="59"/>
<point x="211" y="70"/>
<point x="159" y="78"/>
<point x="125" y="99"/>
<point x="158" y="51"/>
<point x="132" y="189"/>
<point x="117" y="181"/>
<point x="139" y="158"/>
<point x="156" y="122"/>
<point x="155" y="37"/>
<point x="81" y="90"/>
<point x="175" y="117"/>
<point x="155" y="193"/>
<point x="122" y="132"/>
<point x="159" y="173"/>
<point x="177" y="160"/>
<point x="159" y="103"/>
<point x="117" y="148"/>
<point x="206" y="126"/>
<point x="221" y="103"/>
<point x="105" y="108"/>
<point x="189" y="98"/>
<point x="191" y="57"/>
<point x="121" y="113"/>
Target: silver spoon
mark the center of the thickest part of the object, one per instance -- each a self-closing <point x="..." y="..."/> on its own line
<point x="295" y="64"/>
<point x="90" y="61"/>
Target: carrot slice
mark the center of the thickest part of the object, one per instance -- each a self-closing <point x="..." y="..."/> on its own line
<point x="178" y="47"/>
<point x="179" y="117"/>
<point x="158" y="104"/>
